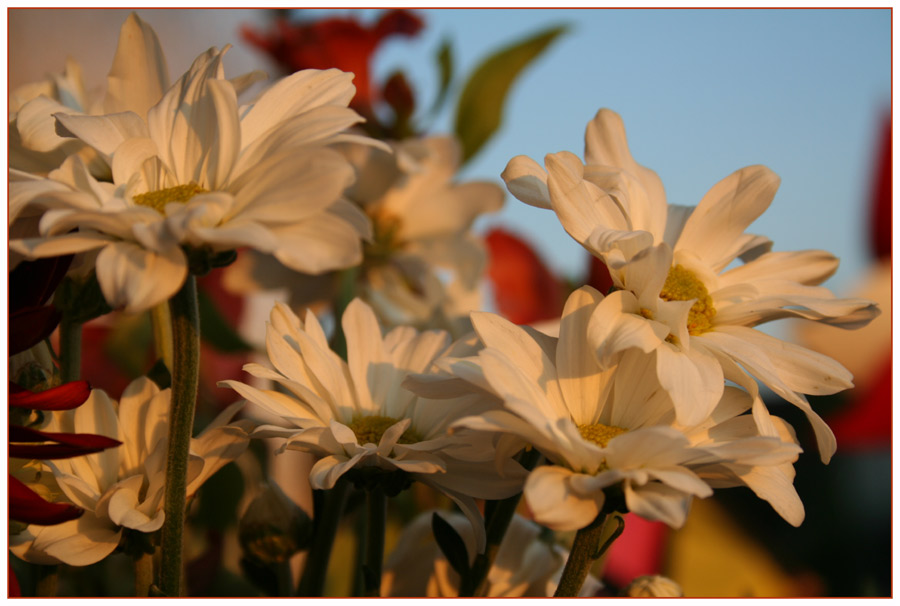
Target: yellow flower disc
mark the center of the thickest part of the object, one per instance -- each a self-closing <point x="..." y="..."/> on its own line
<point x="683" y="285"/>
<point x="600" y="434"/>
<point x="386" y="238"/>
<point x="158" y="199"/>
<point x="368" y="430"/>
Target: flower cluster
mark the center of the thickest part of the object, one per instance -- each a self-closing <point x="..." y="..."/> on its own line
<point x="379" y="369"/>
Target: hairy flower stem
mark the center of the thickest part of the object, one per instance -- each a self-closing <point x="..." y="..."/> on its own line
<point x="376" y="508"/>
<point x="591" y="542"/>
<point x="143" y="575"/>
<point x="69" y="349"/>
<point x="497" y="516"/>
<point x="328" y="507"/>
<point x="185" y="376"/>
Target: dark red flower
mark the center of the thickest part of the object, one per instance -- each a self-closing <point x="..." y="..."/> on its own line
<point x="31" y="285"/>
<point x="337" y="42"/>
<point x="14" y="590"/>
<point x="598" y="275"/>
<point x="525" y="290"/>
<point x="25" y="505"/>
<point x="64" y="397"/>
<point x="880" y="218"/>
<point x="27" y="443"/>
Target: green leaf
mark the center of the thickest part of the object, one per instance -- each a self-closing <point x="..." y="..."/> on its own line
<point x="215" y="330"/>
<point x="444" y="61"/>
<point x="451" y="544"/>
<point x="480" y="108"/>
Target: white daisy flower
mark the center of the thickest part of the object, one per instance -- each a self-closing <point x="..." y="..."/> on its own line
<point x="425" y="265"/>
<point x="678" y="293"/>
<point x="355" y="416"/>
<point x="122" y="488"/>
<point x="610" y="431"/>
<point x="527" y="564"/>
<point x="200" y="172"/>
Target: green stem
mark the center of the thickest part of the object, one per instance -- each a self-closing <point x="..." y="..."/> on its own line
<point x="283" y="574"/>
<point x="185" y="376"/>
<point x="591" y="542"/>
<point x="497" y="517"/>
<point x="376" y="507"/>
<point x="47" y="582"/>
<point x="69" y="349"/>
<point x="326" y="519"/>
<point x="143" y="575"/>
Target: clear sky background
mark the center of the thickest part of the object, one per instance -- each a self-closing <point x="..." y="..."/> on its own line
<point x="702" y="93"/>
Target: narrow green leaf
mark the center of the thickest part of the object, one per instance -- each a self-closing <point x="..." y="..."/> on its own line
<point x="451" y="544"/>
<point x="214" y="329"/>
<point x="444" y="61"/>
<point x="480" y="109"/>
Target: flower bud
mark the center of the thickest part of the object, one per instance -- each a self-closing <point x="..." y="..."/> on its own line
<point x="273" y="528"/>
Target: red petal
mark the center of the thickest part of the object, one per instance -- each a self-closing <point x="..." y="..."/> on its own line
<point x="398" y="21"/>
<point x="525" y="291"/>
<point x="32" y="283"/>
<point x="31" y="325"/>
<point x="25" y="505"/>
<point x="14" y="590"/>
<point x="865" y="423"/>
<point x="65" y="397"/>
<point x="639" y="551"/>
<point x="881" y="197"/>
<point x="67" y="444"/>
<point x="598" y="275"/>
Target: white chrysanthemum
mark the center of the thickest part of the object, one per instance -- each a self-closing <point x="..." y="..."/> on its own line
<point x="199" y="171"/>
<point x="122" y="488"/>
<point x="425" y="264"/>
<point x="136" y="81"/>
<point x="34" y="146"/>
<point x="678" y="292"/>
<point x="355" y="414"/>
<point x="526" y="565"/>
<point x="614" y="427"/>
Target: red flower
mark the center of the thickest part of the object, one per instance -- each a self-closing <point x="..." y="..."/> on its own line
<point x="25" y="505"/>
<point x="65" y="397"/>
<point x="31" y="284"/>
<point x="525" y="290"/>
<point x="880" y="218"/>
<point x="338" y="42"/>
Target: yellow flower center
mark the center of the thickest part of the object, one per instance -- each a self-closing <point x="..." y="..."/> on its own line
<point x="385" y="237"/>
<point x="368" y="430"/>
<point x="158" y="199"/>
<point x="683" y="285"/>
<point x="600" y="434"/>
